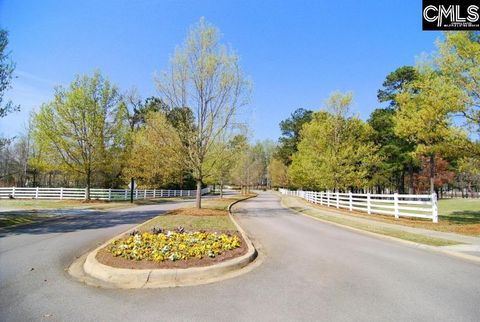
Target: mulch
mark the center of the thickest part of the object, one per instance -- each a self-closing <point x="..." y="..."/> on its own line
<point x="106" y="258"/>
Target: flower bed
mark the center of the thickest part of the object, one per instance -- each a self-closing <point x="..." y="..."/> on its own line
<point x="176" y="245"/>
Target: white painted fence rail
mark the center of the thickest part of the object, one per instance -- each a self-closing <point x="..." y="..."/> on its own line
<point x="398" y="205"/>
<point x="101" y="194"/>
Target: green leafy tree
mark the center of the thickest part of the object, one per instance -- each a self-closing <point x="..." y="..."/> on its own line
<point x="290" y="138"/>
<point x="335" y="151"/>
<point x="206" y="77"/>
<point x="424" y="118"/>
<point x="395" y="83"/>
<point x="156" y="156"/>
<point x="82" y="131"/>
<point x="6" y="75"/>
<point x="278" y="172"/>
<point x="458" y="59"/>
<point x="396" y="153"/>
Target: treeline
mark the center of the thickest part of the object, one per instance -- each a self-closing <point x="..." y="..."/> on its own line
<point x="94" y="135"/>
<point x="424" y="140"/>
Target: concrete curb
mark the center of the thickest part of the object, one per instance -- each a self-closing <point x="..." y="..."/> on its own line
<point x="112" y="277"/>
<point x="467" y="257"/>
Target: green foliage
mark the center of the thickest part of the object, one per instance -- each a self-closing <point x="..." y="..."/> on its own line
<point x="395" y="152"/>
<point x="395" y="83"/>
<point x="6" y="75"/>
<point x="423" y="117"/>
<point x="156" y="155"/>
<point x="278" y="172"/>
<point x="207" y="77"/>
<point x="335" y="151"/>
<point x="83" y="130"/>
<point x="290" y="138"/>
<point x="458" y="59"/>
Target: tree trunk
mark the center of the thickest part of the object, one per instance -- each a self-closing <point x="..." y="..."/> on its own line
<point x="432" y="173"/>
<point x="221" y="189"/>
<point x="198" y="200"/>
<point x="87" y="194"/>
<point x="410" y="179"/>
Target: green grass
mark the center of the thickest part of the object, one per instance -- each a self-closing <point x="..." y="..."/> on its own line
<point x="417" y="238"/>
<point x="190" y="222"/>
<point x="7" y="220"/>
<point x="459" y="211"/>
<point x="32" y="204"/>
<point x="198" y="222"/>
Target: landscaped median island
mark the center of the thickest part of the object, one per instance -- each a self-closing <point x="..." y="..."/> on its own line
<point x="185" y="246"/>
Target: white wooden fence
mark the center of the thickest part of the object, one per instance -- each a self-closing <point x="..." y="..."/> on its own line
<point x="101" y="194"/>
<point x="398" y="205"/>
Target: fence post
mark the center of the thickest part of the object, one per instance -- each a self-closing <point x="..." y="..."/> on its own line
<point x="36" y="193"/>
<point x="321" y="198"/>
<point x="181" y="193"/>
<point x="154" y="193"/>
<point x="13" y="192"/>
<point x="145" y="194"/>
<point x="136" y="193"/>
<point x="328" y="198"/>
<point x="395" y="205"/>
<point x="369" y="209"/>
<point x="338" y="197"/>
<point x="109" y="194"/>
<point x="85" y="194"/>
<point x="434" y="208"/>
<point x="126" y="194"/>
<point x="350" y="201"/>
<point x="61" y="193"/>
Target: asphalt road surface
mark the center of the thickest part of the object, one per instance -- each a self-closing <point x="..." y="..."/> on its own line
<point x="310" y="271"/>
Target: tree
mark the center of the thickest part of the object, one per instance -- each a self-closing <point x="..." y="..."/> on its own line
<point x="335" y="151"/>
<point x="278" y="173"/>
<point x="222" y="171"/>
<point x="290" y="138"/>
<point x="395" y="152"/>
<point x="152" y="161"/>
<point x="82" y="131"/>
<point x="424" y="119"/>
<point x="206" y="77"/>
<point x="458" y="59"/>
<point x="395" y="83"/>
<point x="6" y="75"/>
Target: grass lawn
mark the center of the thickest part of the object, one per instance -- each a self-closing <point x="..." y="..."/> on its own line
<point x="459" y="211"/>
<point x="417" y="238"/>
<point x="32" y="204"/>
<point x="12" y="219"/>
<point x="461" y="216"/>
<point x="212" y="216"/>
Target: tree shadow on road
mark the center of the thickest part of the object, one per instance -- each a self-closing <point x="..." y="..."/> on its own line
<point x="83" y="221"/>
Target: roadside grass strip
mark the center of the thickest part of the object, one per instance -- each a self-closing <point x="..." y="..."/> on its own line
<point x="33" y="204"/>
<point x="417" y="238"/>
<point x="13" y="219"/>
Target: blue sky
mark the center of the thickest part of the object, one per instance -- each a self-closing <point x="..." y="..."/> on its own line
<point x="296" y="52"/>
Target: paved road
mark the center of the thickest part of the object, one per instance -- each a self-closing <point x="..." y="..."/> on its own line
<point x="311" y="271"/>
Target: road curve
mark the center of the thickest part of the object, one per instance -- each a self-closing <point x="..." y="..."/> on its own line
<point x="311" y="271"/>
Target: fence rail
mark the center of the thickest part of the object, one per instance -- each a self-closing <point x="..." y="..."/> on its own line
<point x="398" y="205"/>
<point x="100" y="194"/>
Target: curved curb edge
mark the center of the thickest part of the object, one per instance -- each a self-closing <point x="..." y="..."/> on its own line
<point x="467" y="257"/>
<point x="98" y="274"/>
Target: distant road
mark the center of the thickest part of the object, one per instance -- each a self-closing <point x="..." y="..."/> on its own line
<point x="311" y="271"/>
